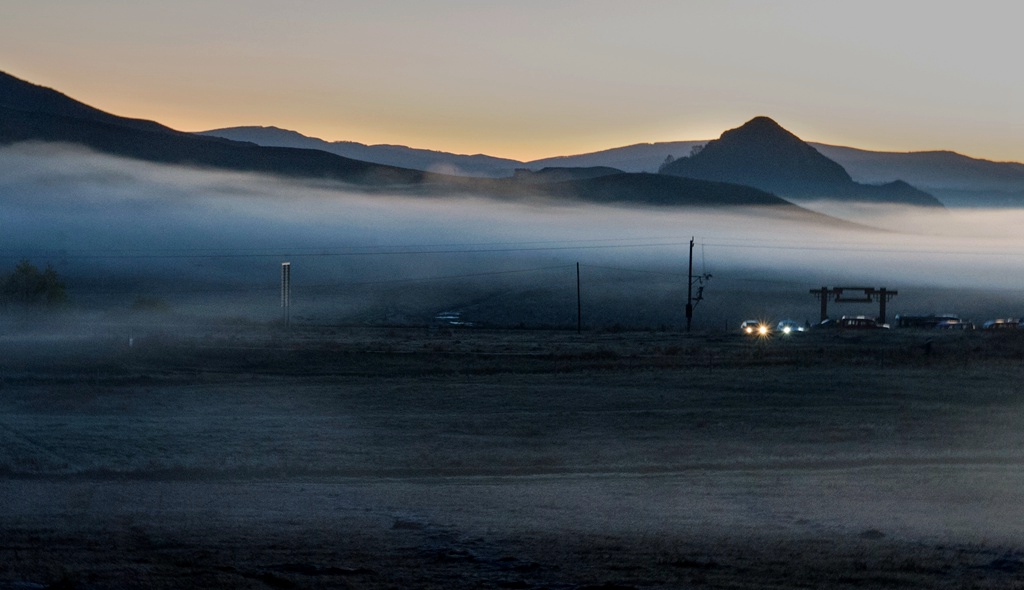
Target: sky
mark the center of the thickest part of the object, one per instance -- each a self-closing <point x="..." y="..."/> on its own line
<point x="533" y="79"/>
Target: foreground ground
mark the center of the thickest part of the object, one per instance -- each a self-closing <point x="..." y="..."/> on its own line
<point x="353" y="458"/>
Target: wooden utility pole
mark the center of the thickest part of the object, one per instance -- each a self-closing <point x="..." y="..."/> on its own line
<point x="689" y="290"/>
<point x="579" y="302"/>
<point x="883" y="296"/>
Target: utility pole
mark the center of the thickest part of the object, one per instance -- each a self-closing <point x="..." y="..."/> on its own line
<point x="579" y="302"/>
<point x="689" y="290"/>
<point x="690" y="299"/>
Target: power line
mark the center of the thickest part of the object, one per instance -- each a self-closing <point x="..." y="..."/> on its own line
<point x="869" y="250"/>
<point x="477" y="248"/>
<point x="727" y="279"/>
<point x="238" y="289"/>
<point x="437" y="278"/>
<point x="636" y="270"/>
<point x="314" y="251"/>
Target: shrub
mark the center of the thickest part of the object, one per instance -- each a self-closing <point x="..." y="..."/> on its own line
<point x="27" y="286"/>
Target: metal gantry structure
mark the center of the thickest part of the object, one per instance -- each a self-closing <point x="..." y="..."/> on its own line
<point x="286" y="292"/>
<point x="861" y="295"/>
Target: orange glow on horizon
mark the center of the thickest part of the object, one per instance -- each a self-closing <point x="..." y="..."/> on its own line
<point x="171" y="106"/>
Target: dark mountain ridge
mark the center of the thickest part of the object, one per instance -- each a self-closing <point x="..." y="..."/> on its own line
<point x="554" y="174"/>
<point x="762" y="154"/>
<point x="24" y="96"/>
<point x="34" y="113"/>
<point x="938" y="168"/>
<point x="765" y="155"/>
<point x="392" y="155"/>
<point x="608" y="186"/>
<point x="953" y="178"/>
<point x="661" y="189"/>
<point x="641" y="157"/>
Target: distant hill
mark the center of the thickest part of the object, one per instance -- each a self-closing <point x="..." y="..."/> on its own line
<point x="33" y="113"/>
<point x="634" y="188"/>
<point x="955" y="179"/>
<point x="935" y="168"/>
<point x="642" y="157"/>
<point x="657" y="189"/>
<point x="392" y="155"/>
<point x="762" y="154"/>
<point x="603" y="185"/>
<point x="18" y="95"/>
<point x="661" y="190"/>
<point x="552" y="174"/>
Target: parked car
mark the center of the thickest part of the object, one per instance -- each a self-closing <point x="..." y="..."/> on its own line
<point x="924" y="321"/>
<point x="755" y="328"/>
<point x="860" y="322"/>
<point x="787" y="327"/>
<point x="954" y="325"/>
<point x="1001" y="324"/>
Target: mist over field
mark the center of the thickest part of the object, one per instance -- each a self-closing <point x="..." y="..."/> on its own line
<point x="211" y="243"/>
<point x="327" y="456"/>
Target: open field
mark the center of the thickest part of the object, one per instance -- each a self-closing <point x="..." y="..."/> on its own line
<point x="319" y="457"/>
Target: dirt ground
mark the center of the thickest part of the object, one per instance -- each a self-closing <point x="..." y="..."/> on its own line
<point x="321" y="457"/>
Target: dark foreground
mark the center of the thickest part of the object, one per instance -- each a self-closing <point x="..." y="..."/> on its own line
<point x="329" y="458"/>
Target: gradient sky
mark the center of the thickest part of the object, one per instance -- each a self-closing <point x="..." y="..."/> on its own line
<point x="531" y="79"/>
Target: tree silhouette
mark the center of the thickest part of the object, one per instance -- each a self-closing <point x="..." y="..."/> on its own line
<point x="27" y="286"/>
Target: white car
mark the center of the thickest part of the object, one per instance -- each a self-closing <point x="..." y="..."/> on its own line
<point x="755" y="328"/>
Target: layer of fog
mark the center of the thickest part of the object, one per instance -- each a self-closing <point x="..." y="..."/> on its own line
<point x="210" y="242"/>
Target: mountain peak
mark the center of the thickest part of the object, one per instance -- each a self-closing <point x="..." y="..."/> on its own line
<point x="762" y="122"/>
<point x="762" y="129"/>
<point x="763" y="154"/>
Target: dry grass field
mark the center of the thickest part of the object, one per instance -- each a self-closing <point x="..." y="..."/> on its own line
<point x="318" y="457"/>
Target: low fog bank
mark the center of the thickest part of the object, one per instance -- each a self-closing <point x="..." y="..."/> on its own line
<point x="131" y="238"/>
